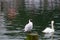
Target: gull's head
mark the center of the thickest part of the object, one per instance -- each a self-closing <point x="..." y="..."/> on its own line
<point x="30" y="20"/>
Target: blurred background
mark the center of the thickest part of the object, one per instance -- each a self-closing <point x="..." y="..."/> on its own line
<point x="14" y="15"/>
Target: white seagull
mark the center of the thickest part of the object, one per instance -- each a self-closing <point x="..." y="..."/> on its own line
<point x="29" y="26"/>
<point x="48" y="29"/>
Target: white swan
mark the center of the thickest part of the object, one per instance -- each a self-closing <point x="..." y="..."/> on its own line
<point x="29" y="26"/>
<point x="49" y="30"/>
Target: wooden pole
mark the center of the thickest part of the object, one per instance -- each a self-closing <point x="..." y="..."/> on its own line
<point x="32" y="36"/>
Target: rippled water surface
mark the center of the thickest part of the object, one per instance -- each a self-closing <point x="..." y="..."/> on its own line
<point x="18" y="34"/>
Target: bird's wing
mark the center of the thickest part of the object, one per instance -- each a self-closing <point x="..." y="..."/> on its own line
<point x="28" y="27"/>
<point x="51" y="30"/>
<point x="46" y="30"/>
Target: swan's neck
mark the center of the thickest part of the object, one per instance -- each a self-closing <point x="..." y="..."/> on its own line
<point x="52" y="25"/>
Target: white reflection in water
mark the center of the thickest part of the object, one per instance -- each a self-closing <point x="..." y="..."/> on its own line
<point x="49" y="36"/>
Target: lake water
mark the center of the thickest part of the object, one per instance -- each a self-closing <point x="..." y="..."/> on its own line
<point x="8" y="32"/>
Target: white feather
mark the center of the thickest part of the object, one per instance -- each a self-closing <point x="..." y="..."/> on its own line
<point x="49" y="30"/>
<point x="28" y="27"/>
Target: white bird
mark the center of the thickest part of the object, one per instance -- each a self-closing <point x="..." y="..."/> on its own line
<point x="29" y="26"/>
<point x="48" y="29"/>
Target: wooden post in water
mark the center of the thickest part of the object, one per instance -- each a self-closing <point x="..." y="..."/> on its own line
<point x="32" y="36"/>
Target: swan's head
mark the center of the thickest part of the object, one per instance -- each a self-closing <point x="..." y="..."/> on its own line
<point x="52" y="21"/>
